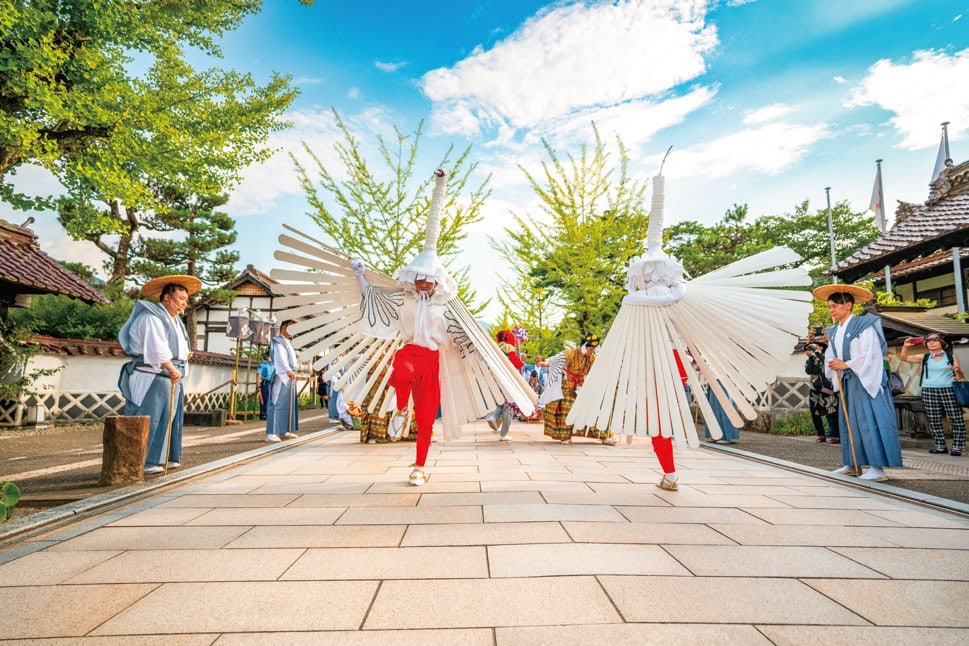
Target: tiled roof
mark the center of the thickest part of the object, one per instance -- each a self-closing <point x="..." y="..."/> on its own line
<point x="943" y="221"/>
<point x="94" y="348"/>
<point x="252" y="275"/>
<point x="938" y="319"/>
<point x="25" y="269"/>
<point x="919" y="265"/>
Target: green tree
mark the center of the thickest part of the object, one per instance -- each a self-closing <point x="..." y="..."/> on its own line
<point x="65" y="81"/>
<point x="806" y="232"/>
<point x="382" y="221"/>
<point x="702" y="249"/>
<point x="70" y="102"/>
<point x="200" y="249"/>
<point x="593" y="221"/>
<point x="68" y="318"/>
<point x="198" y="144"/>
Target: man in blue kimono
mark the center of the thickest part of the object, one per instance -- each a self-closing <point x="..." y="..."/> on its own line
<point x="855" y="364"/>
<point x="283" y="414"/>
<point x="156" y="339"/>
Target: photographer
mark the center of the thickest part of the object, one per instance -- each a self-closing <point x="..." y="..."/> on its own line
<point x="822" y="401"/>
<point x="939" y="368"/>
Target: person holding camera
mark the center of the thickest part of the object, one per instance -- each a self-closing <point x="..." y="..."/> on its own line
<point x="822" y="401"/>
<point x="939" y="369"/>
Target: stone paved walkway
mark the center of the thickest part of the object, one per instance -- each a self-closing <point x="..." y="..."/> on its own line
<point x="525" y="542"/>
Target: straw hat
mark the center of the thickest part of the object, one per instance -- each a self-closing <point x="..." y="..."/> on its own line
<point x="860" y="294"/>
<point x="153" y="288"/>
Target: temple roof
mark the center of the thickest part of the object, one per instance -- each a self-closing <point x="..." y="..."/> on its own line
<point x="25" y="269"/>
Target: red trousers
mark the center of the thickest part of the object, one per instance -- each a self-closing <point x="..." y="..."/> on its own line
<point x="416" y="370"/>
<point x="663" y="448"/>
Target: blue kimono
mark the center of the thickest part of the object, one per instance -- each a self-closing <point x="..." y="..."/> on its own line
<point x="157" y="400"/>
<point x="730" y="432"/>
<point x="282" y="415"/>
<point x="874" y="430"/>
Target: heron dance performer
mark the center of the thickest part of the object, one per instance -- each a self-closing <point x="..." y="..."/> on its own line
<point x="855" y="364"/>
<point x="733" y="322"/>
<point x="362" y="321"/>
<point x="566" y="373"/>
<point x="151" y="382"/>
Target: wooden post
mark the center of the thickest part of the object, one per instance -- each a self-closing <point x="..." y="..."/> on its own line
<point x="125" y="441"/>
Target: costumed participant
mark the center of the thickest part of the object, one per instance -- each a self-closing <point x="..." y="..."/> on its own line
<point x="855" y="364"/>
<point x="151" y="382"/>
<point x="500" y="419"/>
<point x="738" y="328"/>
<point x="566" y="373"/>
<point x="437" y="352"/>
<point x="282" y="420"/>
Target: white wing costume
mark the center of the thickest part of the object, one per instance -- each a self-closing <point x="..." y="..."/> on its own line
<point x="734" y="323"/>
<point x="355" y="319"/>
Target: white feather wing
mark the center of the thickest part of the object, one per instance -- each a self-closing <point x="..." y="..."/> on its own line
<point x="735" y="325"/>
<point x="324" y="297"/>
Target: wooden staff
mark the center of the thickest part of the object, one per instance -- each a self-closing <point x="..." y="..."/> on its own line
<point x="171" y="420"/>
<point x="844" y="407"/>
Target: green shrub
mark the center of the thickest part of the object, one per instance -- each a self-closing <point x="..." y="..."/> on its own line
<point x="9" y="497"/>
<point x="797" y="423"/>
<point x="69" y="318"/>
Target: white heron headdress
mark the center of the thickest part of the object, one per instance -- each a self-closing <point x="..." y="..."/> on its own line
<point x="427" y="265"/>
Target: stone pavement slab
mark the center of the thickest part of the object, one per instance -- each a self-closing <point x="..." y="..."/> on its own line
<point x="525" y="542"/>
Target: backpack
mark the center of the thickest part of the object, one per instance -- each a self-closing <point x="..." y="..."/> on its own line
<point x="895" y="383"/>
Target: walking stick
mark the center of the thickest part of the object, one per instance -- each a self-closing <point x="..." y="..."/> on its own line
<point x="851" y="441"/>
<point x="171" y="420"/>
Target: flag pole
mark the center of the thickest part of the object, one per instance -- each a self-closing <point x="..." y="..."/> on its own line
<point x="834" y="258"/>
<point x="945" y="139"/>
<point x="881" y="206"/>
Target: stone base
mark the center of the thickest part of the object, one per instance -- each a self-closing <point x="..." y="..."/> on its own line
<point x="125" y="441"/>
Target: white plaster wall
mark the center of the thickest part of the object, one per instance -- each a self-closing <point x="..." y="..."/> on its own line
<point x="100" y="374"/>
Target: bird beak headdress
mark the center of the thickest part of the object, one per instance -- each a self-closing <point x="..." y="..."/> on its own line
<point x="427" y="266"/>
<point x="655" y="278"/>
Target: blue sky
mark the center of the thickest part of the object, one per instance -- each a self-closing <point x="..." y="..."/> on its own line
<point x="765" y="102"/>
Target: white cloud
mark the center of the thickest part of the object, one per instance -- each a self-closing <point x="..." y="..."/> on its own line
<point x="306" y="80"/>
<point x="571" y="59"/>
<point x="767" y="113"/>
<point x="739" y="3"/>
<point x="840" y="80"/>
<point x="265" y="183"/>
<point x="353" y="93"/>
<point x="388" y="67"/>
<point x="921" y="94"/>
<point x="771" y="149"/>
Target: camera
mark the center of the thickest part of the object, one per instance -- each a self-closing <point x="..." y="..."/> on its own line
<point x="818" y="330"/>
<point x="916" y="340"/>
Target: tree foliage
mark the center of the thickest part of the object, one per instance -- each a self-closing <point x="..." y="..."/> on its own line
<point x="573" y="256"/>
<point x="68" y="318"/>
<point x="381" y="221"/>
<point x="706" y="248"/>
<point x="70" y="103"/>
<point x="64" y="74"/>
